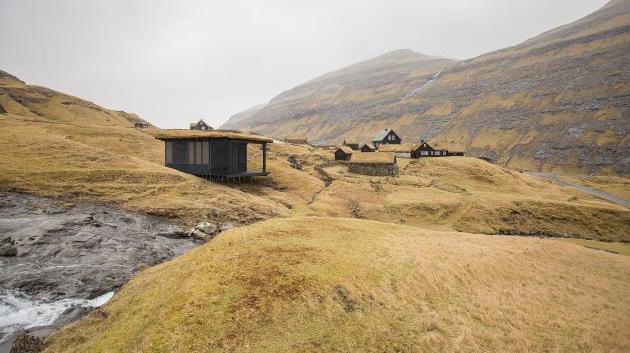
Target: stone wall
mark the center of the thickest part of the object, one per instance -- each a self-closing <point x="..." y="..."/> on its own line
<point x="374" y="169"/>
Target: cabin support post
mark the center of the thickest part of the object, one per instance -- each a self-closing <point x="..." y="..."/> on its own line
<point x="264" y="151"/>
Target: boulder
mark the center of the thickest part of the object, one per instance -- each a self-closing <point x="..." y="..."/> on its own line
<point x="7" y="247"/>
<point x="207" y="227"/>
<point x="198" y="234"/>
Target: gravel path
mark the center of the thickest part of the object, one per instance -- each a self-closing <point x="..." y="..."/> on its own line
<point x="602" y="195"/>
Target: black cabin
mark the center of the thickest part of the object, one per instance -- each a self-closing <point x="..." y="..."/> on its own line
<point x="200" y="125"/>
<point x="423" y="150"/>
<point x="386" y="136"/>
<point x="367" y="148"/>
<point x="343" y="153"/>
<point x="212" y="154"/>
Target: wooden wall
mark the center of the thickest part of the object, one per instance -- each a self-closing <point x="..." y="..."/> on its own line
<point x="207" y="157"/>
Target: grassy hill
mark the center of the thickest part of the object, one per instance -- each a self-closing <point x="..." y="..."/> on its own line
<point x="555" y="102"/>
<point x="80" y="151"/>
<point x="52" y="144"/>
<point x="324" y="284"/>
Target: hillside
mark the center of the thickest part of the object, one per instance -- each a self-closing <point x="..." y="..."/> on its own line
<point x="53" y="144"/>
<point x="81" y="151"/>
<point x="558" y="101"/>
<point x="362" y="88"/>
<point x="323" y="284"/>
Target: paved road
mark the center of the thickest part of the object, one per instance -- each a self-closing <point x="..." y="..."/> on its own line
<point x="602" y="195"/>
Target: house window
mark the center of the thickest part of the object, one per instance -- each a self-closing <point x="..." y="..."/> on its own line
<point x="424" y="153"/>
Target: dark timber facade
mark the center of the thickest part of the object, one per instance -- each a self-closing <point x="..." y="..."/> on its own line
<point x="386" y="136"/>
<point x="215" y="156"/>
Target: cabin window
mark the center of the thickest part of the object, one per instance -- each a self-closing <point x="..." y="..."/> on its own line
<point x="204" y="153"/>
<point x="191" y="152"/>
<point x="169" y="152"/>
<point x="424" y="153"/>
<point x="197" y="152"/>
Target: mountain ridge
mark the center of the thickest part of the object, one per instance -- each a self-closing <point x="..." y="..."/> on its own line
<point x="557" y="101"/>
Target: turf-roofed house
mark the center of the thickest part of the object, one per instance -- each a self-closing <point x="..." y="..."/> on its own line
<point x="375" y="164"/>
<point x="214" y="155"/>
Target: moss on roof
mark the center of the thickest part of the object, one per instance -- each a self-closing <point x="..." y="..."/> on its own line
<point x="212" y="134"/>
<point x="400" y="148"/>
<point x="373" y="158"/>
<point x="345" y="149"/>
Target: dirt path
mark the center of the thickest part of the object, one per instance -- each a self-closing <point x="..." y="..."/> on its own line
<point x="602" y="195"/>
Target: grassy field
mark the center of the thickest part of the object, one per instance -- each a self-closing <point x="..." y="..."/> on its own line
<point x="326" y="284"/>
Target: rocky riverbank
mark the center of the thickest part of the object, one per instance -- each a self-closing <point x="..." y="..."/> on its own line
<point x="58" y="260"/>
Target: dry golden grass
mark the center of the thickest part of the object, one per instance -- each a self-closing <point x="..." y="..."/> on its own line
<point x="466" y="194"/>
<point x="323" y="284"/>
<point x="613" y="247"/>
<point x="49" y="160"/>
<point x="618" y="186"/>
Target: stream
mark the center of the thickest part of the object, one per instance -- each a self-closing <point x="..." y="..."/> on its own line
<point x="59" y="261"/>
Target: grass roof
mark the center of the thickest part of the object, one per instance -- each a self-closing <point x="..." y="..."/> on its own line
<point x="373" y="158"/>
<point x="213" y="134"/>
<point x="400" y="148"/>
<point x="345" y="149"/>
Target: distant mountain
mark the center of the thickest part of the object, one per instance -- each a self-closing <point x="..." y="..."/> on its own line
<point x="359" y="90"/>
<point x="244" y="115"/>
<point x="559" y="101"/>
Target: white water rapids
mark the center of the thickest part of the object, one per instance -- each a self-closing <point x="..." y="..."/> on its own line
<point x="19" y="311"/>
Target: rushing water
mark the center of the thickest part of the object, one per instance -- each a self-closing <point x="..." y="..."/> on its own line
<point x="424" y="86"/>
<point x="19" y="311"/>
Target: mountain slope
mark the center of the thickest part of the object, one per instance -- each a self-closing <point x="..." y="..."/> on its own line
<point x="559" y="101"/>
<point x="363" y="87"/>
<point x="241" y="116"/>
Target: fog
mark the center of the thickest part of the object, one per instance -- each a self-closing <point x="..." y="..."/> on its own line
<point x="173" y="62"/>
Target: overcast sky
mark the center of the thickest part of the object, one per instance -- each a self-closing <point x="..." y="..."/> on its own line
<point x="176" y="61"/>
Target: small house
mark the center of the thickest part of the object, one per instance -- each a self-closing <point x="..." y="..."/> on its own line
<point x="422" y="150"/>
<point x="343" y="153"/>
<point x="141" y="125"/>
<point x="297" y="139"/>
<point x="402" y="150"/>
<point x="354" y="144"/>
<point x="367" y="147"/>
<point x="213" y="154"/>
<point x="200" y="125"/>
<point x="376" y="164"/>
<point x="386" y="136"/>
<point x="425" y="150"/>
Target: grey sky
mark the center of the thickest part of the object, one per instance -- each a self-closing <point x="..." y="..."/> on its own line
<point x="176" y="61"/>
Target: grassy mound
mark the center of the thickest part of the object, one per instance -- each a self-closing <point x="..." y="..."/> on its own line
<point x="323" y="284"/>
<point x="470" y="195"/>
